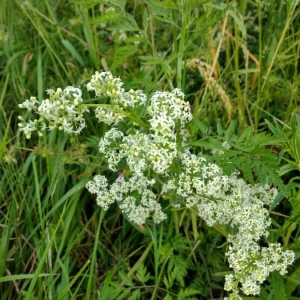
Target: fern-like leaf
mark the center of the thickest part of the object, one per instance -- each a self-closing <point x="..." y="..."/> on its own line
<point x="136" y="295"/>
<point x="126" y="279"/>
<point x="177" y="268"/>
<point x="113" y="290"/>
<point x="185" y="293"/>
<point x="142" y="273"/>
<point x="124" y="294"/>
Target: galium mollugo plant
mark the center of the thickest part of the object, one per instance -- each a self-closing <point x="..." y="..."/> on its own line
<point x="154" y="147"/>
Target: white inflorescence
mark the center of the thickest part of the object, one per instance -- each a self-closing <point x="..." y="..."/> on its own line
<point x="61" y="110"/>
<point x="105" y="84"/>
<point x="135" y="198"/>
<point x="218" y="198"/>
<point x="187" y="180"/>
<point x="228" y="200"/>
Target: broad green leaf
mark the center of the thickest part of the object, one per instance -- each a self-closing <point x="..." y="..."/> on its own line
<point x="277" y="199"/>
<point x="278" y="286"/>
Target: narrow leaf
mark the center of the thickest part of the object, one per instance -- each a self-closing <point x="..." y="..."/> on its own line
<point x="73" y="51"/>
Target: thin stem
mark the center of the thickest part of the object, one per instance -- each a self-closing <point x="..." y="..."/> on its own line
<point x="182" y="44"/>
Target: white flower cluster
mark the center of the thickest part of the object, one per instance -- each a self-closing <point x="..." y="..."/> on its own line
<point x="166" y="109"/>
<point x="193" y="182"/>
<point x="252" y="264"/>
<point x="105" y="84"/>
<point x="229" y="200"/>
<point x="61" y="110"/>
<point x="134" y="197"/>
<point x="157" y="149"/>
<point x="142" y="151"/>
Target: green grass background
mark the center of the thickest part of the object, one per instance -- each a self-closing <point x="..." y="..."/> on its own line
<point x="237" y="62"/>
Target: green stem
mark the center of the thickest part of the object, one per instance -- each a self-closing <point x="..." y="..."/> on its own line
<point x="185" y="19"/>
<point x="134" y="118"/>
<point x="259" y="16"/>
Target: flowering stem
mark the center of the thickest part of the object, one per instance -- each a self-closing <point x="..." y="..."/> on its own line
<point x="129" y="115"/>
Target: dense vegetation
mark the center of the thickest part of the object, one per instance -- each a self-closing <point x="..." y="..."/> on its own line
<point x="237" y="64"/>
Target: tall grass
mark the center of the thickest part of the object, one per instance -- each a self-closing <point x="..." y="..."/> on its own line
<point x="236" y="66"/>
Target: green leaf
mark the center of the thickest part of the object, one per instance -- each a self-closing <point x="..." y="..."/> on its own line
<point x="184" y="293"/>
<point x="167" y="3"/>
<point x="87" y="2"/>
<point x="292" y="282"/>
<point x="277" y="286"/>
<point x="230" y="131"/>
<point x="203" y="127"/>
<point x="177" y="268"/>
<point x="155" y="9"/>
<point x="121" y="54"/>
<point x="4" y="140"/>
<point x="166" y="251"/>
<point x="21" y="277"/>
<point x="142" y="274"/>
<point x="238" y="21"/>
<point x="205" y="144"/>
<point x="119" y="3"/>
<point x="136" y="295"/>
<point x="108" y="16"/>
<point x="295" y="147"/>
<point x="168" y="297"/>
<point x="126" y="279"/>
<point x="107" y="282"/>
<point x="112" y="292"/>
<point x="69" y="285"/>
<point x="127" y="23"/>
<point x="73" y="51"/>
<point x="276" y="130"/>
<point x="136" y="39"/>
<point x="245" y="136"/>
<point x="287" y="168"/>
<point x="145" y="20"/>
<point x="124" y="294"/>
<point x="247" y="170"/>
<point x="166" y="282"/>
<point x="165" y="19"/>
<point x="151" y="60"/>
